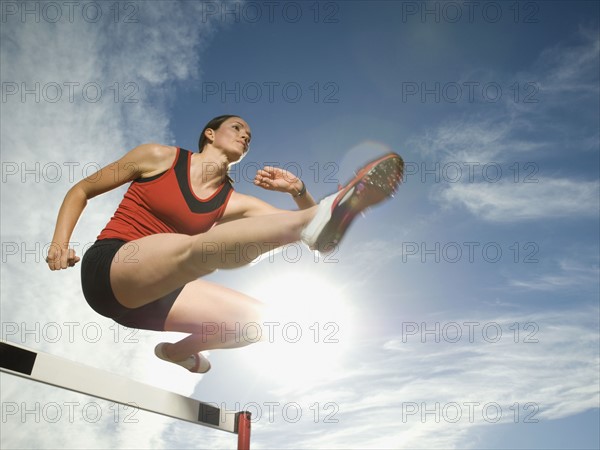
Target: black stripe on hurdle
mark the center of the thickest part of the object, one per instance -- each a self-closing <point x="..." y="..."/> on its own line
<point x="209" y="414"/>
<point x="16" y="359"/>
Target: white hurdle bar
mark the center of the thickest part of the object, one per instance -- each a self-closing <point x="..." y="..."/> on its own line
<point x="60" y="372"/>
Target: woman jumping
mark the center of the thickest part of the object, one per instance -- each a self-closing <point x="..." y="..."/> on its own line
<point x="181" y="219"/>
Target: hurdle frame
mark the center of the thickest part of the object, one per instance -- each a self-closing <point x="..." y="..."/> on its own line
<point x="18" y="360"/>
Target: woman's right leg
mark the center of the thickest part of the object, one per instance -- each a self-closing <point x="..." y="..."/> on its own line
<point x="216" y="317"/>
<point x="153" y="266"/>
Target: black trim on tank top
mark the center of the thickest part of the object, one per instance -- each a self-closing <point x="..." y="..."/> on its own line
<point x="197" y="206"/>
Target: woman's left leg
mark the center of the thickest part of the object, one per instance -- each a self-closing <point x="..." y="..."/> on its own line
<point x="215" y="316"/>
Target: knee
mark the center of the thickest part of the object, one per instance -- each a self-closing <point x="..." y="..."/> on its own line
<point x="196" y="261"/>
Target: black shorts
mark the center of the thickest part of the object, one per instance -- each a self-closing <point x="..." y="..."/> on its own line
<point x="95" y="281"/>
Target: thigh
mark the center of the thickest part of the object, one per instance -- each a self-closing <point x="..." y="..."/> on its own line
<point x="151" y="316"/>
<point x="206" y="307"/>
<point x="151" y="267"/>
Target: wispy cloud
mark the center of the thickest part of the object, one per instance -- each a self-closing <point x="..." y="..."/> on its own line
<point x="569" y="274"/>
<point x="508" y="202"/>
<point x="475" y="140"/>
<point x="86" y="92"/>
<point x="414" y="390"/>
<point x="566" y="77"/>
<point x="571" y="68"/>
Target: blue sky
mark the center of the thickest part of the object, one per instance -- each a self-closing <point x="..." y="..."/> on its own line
<point x="461" y="314"/>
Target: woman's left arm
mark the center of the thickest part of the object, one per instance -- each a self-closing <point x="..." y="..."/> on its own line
<point x="276" y="179"/>
<point x="272" y="179"/>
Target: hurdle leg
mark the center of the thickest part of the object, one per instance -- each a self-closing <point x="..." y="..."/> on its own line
<point x="243" y="428"/>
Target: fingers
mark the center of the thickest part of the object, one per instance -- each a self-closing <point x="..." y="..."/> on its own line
<point x="53" y="259"/>
<point x="276" y="173"/>
<point x="59" y="258"/>
<point x="275" y="178"/>
<point x="268" y="170"/>
<point x="262" y="172"/>
<point x="71" y="258"/>
<point x="265" y="177"/>
<point x="266" y="173"/>
<point x="265" y="183"/>
<point x="260" y="177"/>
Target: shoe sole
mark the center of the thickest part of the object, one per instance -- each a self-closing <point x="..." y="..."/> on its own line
<point x="160" y="353"/>
<point x="373" y="184"/>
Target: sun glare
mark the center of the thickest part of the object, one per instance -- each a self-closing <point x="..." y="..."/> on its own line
<point x="307" y="328"/>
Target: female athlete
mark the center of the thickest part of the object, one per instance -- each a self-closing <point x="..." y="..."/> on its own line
<point x="181" y="219"/>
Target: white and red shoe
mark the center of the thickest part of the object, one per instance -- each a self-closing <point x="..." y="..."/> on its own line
<point x="374" y="183"/>
<point x="196" y="363"/>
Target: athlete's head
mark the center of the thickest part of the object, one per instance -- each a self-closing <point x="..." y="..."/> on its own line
<point x="232" y="128"/>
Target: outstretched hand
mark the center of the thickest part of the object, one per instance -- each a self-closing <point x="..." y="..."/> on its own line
<point x="276" y="179"/>
<point x="61" y="258"/>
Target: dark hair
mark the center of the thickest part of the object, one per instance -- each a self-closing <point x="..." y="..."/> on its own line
<point x="214" y="124"/>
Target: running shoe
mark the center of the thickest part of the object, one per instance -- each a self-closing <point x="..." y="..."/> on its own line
<point x="374" y="183"/>
<point x="196" y="363"/>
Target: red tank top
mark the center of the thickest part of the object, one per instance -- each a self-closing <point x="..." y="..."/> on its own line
<point x="165" y="203"/>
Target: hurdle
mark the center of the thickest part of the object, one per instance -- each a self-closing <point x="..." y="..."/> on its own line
<point x="60" y="372"/>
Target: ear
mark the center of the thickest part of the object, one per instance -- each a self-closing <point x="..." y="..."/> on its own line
<point x="210" y="134"/>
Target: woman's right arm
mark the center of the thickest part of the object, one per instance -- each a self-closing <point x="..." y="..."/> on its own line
<point x="143" y="160"/>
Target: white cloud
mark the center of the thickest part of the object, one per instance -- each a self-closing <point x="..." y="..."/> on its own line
<point x="508" y="202"/>
<point x="571" y="68"/>
<point x="477" y="140"/>
<point x="546" y="362"/>
<point x="52" y="137"/>
<point x="569" y="275"/>
<point x="567" y="79"/>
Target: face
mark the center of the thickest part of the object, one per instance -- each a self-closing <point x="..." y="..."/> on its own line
<point x="233" y="137"/>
